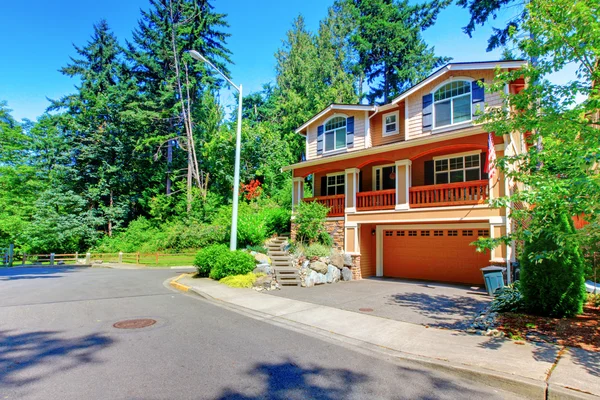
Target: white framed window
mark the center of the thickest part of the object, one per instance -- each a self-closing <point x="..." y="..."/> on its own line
<point x="335" y="133"/>
<point x="452" y="104"/>
<point x="391" y="123"/>
<point x="457" y="168"/>
<point x="336" y="184"/>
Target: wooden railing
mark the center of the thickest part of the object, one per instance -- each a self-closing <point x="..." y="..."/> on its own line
<point x="450" y="194"/>
<point x="376" y="200"/>
<point x="336" y="204"/>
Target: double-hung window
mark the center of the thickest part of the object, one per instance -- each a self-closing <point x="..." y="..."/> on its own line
<point x="335" y="134"/>
<point x="452" y="104"/>
<point x="390" y="123"/>
<point x="458" y="169"/>
<point x="335" y="184"/>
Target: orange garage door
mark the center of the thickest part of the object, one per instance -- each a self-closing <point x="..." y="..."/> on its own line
<point x="436" y="255"/>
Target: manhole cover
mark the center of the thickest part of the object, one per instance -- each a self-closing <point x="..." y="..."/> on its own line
<point x="365" y="309"/>
<point x="134" y="323"/>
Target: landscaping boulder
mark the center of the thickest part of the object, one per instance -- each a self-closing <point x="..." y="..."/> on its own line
<point x="305" y="264"/>
<point x="346" y="274"/>
<point x="262" y="258"/>
<point x="337" y="259"/>
<point x="347" y="260"/>
<point x="310" y="279"/>
<point x="324" y="260"/>
<point x="333" y="274"/>
<point x="321" y="279"/>
<point x="264" y="269"/>
<point x="263" y="282"/>
<point x="319" y="266"/>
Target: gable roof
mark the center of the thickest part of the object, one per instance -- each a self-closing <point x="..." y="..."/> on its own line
<point x="348" y="107"/>
<point x="459" y="66"/>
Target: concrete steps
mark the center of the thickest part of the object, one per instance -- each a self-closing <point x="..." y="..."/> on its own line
<point x="285" y="272"/>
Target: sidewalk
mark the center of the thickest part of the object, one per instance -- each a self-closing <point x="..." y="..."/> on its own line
<point x="534" y="370"/>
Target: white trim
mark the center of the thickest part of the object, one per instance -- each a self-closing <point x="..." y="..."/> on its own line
<point x="298" y="179"/>
<point x="336" y="115"/>
<point x="352" y="170"/>
<point x="407" y="164"/>
<point x="335" y="219"/>
<point x="476" y="130"/>
<point x="433" y="103"/>
<point x="406" y="122"/>
<point x="348" y="107"/>
<point x="454" y="155"/>
<point x="490" y="220"/>
<point x="373" y="173"/>
<point x="368" y="142"/>
<point x="458" y="67"/>
<point x="475" y="206"/>
<point x="448" y="128"/>
<point x="384" y="133"/>
<point x="351" y="224"/>
<point x="336" y="173"/>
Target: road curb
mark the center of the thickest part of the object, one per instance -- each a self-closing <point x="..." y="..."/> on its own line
<point x="556" y="392"/>
<point x="179" y="286"/>
<point x="524" y="387"/>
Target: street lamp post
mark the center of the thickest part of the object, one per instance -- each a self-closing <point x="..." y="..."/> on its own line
<point x="238" y="145"/>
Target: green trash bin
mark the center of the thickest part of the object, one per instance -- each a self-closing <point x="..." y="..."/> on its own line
<point x="493" y="278"/>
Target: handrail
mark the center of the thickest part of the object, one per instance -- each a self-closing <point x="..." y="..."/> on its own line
<point x="336" y="203"/>
<point x="376" y="200"/>
<point x="449" y="194"/>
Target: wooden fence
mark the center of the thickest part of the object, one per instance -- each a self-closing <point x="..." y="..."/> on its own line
<point x="149" y="259"/>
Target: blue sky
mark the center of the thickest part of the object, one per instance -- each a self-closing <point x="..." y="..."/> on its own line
<point x="37" y="38"/>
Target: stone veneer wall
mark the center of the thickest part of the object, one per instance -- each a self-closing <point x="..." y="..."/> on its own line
<point x="335" y="230"/>
<point x="356" y="267"/>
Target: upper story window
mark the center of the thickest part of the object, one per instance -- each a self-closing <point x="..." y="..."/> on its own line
<point x="335" y="134"/>
<point x="452" y="104"/>
<point x="458" y="169"/>
<point x="390" y="123"/>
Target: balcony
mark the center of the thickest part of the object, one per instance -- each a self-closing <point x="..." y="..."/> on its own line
<point x="336" y="204"/>
<point x="376" y="200"/>
<point x="450" y="194"/>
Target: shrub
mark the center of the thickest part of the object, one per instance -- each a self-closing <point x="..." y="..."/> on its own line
<point x="182" y="236"/>
<point x="310" y="223"/>
<point x="240" y="281"/>
<point x="508" y="299"/>
<point x="232" y="263"/>
<point x="141" y="235"/>
<point x="594" y="299"/>
<point x="207" y="258"/>
<point x="258" y="249"/>
<point x="317" y="250"/>
<point x="552" y="274"/>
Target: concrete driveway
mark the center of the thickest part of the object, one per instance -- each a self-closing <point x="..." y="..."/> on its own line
<point x="434" y="304"/>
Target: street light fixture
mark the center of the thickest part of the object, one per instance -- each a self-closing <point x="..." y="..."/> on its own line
<point x="238" y="144"/>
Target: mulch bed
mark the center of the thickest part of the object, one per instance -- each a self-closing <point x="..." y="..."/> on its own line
<point x="581" y="331"/>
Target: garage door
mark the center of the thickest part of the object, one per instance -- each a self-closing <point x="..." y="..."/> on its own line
<point x="443" y="255"/>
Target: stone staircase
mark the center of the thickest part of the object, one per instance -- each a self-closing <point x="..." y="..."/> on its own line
<point x="285" y="272"/>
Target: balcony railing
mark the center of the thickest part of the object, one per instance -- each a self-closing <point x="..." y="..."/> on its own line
<point x="450" y="194"/>
<point x="336" y="204"/>
<point x="376" y="200"/>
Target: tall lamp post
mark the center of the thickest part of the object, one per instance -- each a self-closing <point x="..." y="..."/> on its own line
<point x="238" y="145"/>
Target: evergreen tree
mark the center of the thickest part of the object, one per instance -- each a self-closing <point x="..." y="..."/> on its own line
<point x="390" y="48"/>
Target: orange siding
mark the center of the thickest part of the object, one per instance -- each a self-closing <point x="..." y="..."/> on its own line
<point x="367" y="250"/>
<point x="377" y="137"/>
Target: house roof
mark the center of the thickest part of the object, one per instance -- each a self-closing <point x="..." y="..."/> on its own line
<point x="459" y="66"/>
<point x="347" y="107"/>
<point x="456" y="66"/>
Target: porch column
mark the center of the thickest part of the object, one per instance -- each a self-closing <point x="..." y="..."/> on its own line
<point x="352" y="176"/>
<point x="297" y="192"/>
<point x="403" y="182"/>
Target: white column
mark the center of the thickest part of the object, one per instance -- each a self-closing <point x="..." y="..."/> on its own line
<point x="297" y="191"/>
<point x="352" y="176"/>
<point x="403" y="183"/>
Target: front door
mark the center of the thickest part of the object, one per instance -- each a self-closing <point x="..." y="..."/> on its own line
<point x="385" y="177"/>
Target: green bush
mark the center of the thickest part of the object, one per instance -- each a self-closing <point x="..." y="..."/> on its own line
<point x="508" y="299"/>
<point x="258" y="249"/>
<point x="317" y="250"/>
<point x="207" y="258"/>
<point x="141" y="235"/>
<point x="182" y="236"/>
<point x="232" y="263"/>
<point x="240" y="281"/>
<point x="552" y="274"/>
<point x="310" y="223"/>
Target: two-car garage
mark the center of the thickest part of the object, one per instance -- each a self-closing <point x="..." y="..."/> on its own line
<point x="431" y="253"/>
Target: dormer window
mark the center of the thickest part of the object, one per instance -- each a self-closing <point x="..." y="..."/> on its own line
<point x="452" y="104"/>
<point x="335" y="134"/>
<point x="390" y="123"/>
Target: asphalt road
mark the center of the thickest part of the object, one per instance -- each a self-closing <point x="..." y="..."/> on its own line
<point x="57" y="341"/>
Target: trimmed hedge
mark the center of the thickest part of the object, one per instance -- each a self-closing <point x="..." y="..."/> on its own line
<point x="552" y="274"/>
<point x="207" y="257"/>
